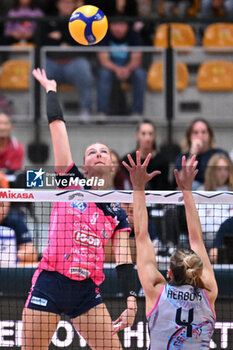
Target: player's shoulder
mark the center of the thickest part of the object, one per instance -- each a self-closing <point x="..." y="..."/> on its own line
<point x="113" y="210"/>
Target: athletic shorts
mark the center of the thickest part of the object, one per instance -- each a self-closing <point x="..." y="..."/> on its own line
<point x="59" y="294"/>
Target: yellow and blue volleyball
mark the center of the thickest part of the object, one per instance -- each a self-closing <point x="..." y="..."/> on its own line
<point x="88" y="25"/>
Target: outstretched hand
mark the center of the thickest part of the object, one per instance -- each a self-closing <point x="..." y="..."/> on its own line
<point x="48" y="84"/>
<point x="185" y="177"/>
<point x="126" y="319"/>
<point x="138" y="172"/>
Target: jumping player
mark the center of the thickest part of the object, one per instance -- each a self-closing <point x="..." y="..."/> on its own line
<point x="71" y="268"/>
<point x="181" y="312"/>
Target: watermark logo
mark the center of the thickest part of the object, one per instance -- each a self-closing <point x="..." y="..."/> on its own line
<point x="45" y="177"/>
<point x="35" y="178"/>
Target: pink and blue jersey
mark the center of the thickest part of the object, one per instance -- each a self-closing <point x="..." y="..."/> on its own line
<point x="181" y="319"/>
<point x="78" y="233"/>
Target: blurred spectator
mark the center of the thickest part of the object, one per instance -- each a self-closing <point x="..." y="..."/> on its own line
<point x="225" y="230"/>
<point x="209" y="6"/>
<point x="211" y="217"/>
<point x="199" y="140"/>
<point x="152" y="230"/>
<point x="129" y="8"/>
<point x="180" y="5"/>
<point x="146" y="143"/>
<point x="121" y="7"/>
<point x="121" y="65"/>
<point x="11" y="150"/>
<point x="13" y="220"/>
<point x="119" y="178"/>
<point x="113" y="7"/>
<point x="4" y="206"/>
<point x="231" y="155"/>
<point x="26" y="251"/>
<point x="23" y="31"/>
<point x="218" y="177"/>
<point x="5" y="105"/>
<point x="144" y="8"/>
<point x="69" y="68"/>
<point x="218" y="174"/>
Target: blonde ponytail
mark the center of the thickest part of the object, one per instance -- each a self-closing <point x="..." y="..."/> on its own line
<point x="186" y="267"/>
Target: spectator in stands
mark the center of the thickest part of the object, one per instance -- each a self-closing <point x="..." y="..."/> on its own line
<point x="11" y="150"/>
<point x="180" y="5"/>
<point x="113" y="7"/>
<point x="129" y="8"/>
<point x="144" y="8"/>
<point x="225" y="230"/>
<point x="208" y="7"/>
<point x="146" y="143"/>
<point x="5" y="104"/>
<point x="23" y="31"/>
<point x="199" y="140"/>
<point x="152" y="230"/>
<point x="121" y="65"/>
<point x="12" y="219"/>
<point x="218" y="174"/>
<point x="218" y="177"/>
<point x="26" y="252"/>
<point x="119" y="178"/>
<point x="69" y="68"/>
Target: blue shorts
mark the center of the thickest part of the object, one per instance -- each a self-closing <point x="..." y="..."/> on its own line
<point x="59" y="294"/>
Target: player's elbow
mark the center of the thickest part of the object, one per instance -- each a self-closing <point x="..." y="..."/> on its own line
<point x="27" y="253"/>
<point x="140" y="233"/>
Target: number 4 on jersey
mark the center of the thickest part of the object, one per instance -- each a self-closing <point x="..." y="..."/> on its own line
<point x="188" y="323"/>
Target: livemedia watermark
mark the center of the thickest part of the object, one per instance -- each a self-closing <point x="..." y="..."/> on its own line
<point x="47" y="178"/>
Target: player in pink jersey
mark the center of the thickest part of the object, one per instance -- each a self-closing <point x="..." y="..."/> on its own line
<point x="180" y="313"/>
<point x="71" y="269"/>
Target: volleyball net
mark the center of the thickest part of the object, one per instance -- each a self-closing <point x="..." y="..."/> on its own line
<point x="20" y="250"/>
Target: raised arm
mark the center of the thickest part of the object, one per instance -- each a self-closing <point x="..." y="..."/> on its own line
<point x="151" y="279"/>
<point x="126" y="278"/>
<point x="184" y="181"/>
<point x="60" y="141"/>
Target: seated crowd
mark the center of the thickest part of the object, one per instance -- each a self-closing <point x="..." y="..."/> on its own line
<point x="12" y="219"/>
<point x="127" y="71"/>
<point x="214" y="164"/>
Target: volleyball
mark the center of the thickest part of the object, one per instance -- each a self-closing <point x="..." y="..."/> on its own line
<point x="88" y="25"/>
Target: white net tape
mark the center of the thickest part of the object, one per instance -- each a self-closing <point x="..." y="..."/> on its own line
<point x="158" y="197"/>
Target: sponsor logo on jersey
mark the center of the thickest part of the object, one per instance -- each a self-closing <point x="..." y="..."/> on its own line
<point x="87" y="238"/>
<point x="79" y="205"/>
<point x="115" y="206"/>
<point x="104" y="234"/>
<point x="77" y="270"/>
<point x="68" y="257"/>
<point x="39" y="301"/>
